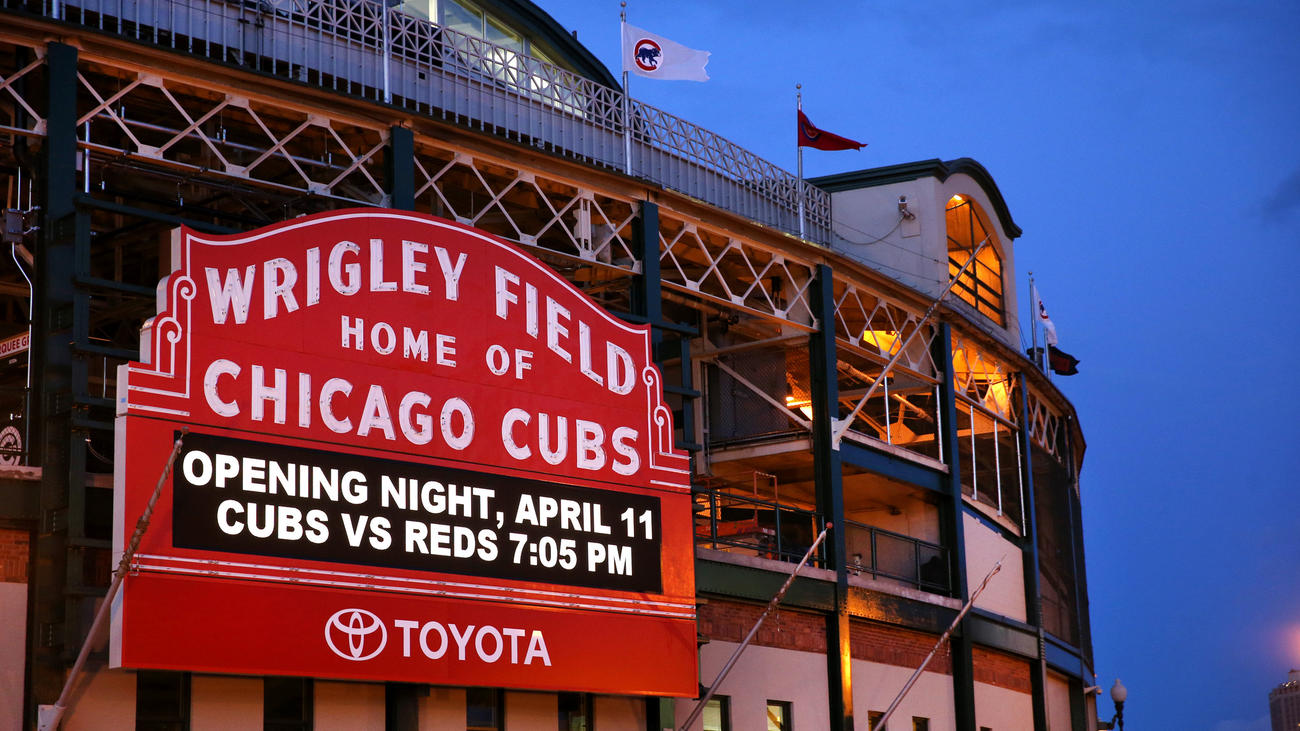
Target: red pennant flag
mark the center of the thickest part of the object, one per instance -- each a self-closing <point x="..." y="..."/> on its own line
<point x="810" y="136"/>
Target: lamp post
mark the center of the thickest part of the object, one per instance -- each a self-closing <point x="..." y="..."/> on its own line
<point x="1118" y="694"/>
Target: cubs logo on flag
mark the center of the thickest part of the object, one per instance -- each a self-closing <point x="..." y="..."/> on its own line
<point x="655" y="57"/>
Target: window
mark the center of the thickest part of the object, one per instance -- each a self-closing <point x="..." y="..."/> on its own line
<point x="717" y="714"/>
<point x="485" y="709"/>
<point x="575" y="712"/>
<point x="162" y="701"/>
<point x="920" y="723"/>
<point x="981" y="285"/>
<point x="287" y="704"/>
<point x="873" y="720"/>
<point x="779" y="716"/>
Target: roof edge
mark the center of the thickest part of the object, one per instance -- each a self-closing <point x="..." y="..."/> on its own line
<point x="934" y="168"/>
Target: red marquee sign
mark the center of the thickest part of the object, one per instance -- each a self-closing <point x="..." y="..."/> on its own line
<point x="410" y="452"/>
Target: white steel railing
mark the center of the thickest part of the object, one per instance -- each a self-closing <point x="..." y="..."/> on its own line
<point x="356" y="47"/>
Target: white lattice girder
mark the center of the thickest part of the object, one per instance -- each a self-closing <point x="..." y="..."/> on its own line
<point x="10" y="86"/>
<point x="309" y="136"/>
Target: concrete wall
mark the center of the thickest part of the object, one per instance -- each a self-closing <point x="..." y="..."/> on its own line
<point x="218" y="703"/>
<point x="762" y="674"/>
<point x="1005" y="594"/>
<point x="867" y="227"/>
<point x="1058" y="703"/>
<point x="530" y="711"/>
<point x="106" y="702"/>
<point x="618" y="713"/>
<point x="13" y="652"/>
<point x="875" y="685"/>
<point x="443" y="708"/>
<point x="348" y="706"/>
<point x="1002" y="709"/>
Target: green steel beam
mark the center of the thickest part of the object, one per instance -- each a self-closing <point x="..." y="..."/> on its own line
<point x="954" y="536"/>
<point x="828" y="471"/>
<point x="1029" y="555"/>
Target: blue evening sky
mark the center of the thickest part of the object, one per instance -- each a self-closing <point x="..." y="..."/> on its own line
<point x="1151" y="153"/>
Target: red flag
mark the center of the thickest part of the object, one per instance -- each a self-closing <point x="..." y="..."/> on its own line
<point x="810" y="136"/>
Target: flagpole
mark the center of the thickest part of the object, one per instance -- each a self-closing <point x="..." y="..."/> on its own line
<point x="798" y="95"/>
<point x="1033" y="323"/>
<point x="627" y="98"/>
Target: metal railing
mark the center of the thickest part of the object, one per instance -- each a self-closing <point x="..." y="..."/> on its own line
<point x="357" y="48"/>
<point x="890" y="555"/>
<point x="729" y="521"/>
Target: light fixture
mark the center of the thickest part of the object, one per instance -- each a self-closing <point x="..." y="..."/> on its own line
<point x="1118" y="694"/>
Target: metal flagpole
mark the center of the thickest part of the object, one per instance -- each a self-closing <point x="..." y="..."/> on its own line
<point x="55" y="712"/>
<point x="699" y="707"/>
<point x="1033" y="323"/>
<point x="942" y="639"/>
<point x="627" y="98"/>
<point x="798" y="95"/>
<point x="847" y="421"/>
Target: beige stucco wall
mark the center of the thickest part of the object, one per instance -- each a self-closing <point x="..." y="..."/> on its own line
<point x="221" y="703"/>
<point x="1058" y="703"/>
<point x="1005" y="594"/>
<point x="875" y="686"/>
<point x="868" y="228"/>
<point x="443" y="708"/>
<point x="763" y="674"/>
<point x="618" y="713"/>
<point x="13" y="651"/>
<point x="105" y="703"/>
<point x="349" y="706"/>
<point x="1003" y="709"/>
<point x="530" y="711"/>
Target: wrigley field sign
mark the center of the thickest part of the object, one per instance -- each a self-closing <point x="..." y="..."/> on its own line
<point x="410" y="452"/>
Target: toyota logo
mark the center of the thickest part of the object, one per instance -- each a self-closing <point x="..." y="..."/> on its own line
<point x="354" y="629"/>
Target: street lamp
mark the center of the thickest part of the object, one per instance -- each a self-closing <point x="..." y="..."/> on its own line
<point x="1118" y="694"/>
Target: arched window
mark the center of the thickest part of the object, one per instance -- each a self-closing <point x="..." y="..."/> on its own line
<point x="981" y="284"/>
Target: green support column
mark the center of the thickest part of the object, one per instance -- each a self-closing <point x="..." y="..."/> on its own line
<point x="646" y="298"/>
<point x="954" y="537"/>
<point x="1029" y="554"/>
<point x="52" y="384"/>
<point x="399" y="168"/>
<point x="828" y="476"/>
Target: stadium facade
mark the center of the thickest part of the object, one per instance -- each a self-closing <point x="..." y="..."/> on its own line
<point x="811" y="379"/>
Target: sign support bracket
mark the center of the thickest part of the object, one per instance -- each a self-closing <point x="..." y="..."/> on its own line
<point x="51" y="716"/>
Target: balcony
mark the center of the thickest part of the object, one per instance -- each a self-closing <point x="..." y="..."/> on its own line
<point x="361" y="48"/>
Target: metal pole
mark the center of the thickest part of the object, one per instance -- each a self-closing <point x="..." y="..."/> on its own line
<point x="627" y="99"/>
<point x="722" y="674"/>
<point x="902" y="348"/>
<point x="798" y="95"/>
<point x="1033" y="323"/>
<point x="942" y="639"/>
<point x="55" y="712"/>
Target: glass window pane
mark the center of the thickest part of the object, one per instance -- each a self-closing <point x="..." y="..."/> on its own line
<point x="778" y="716"/>
<point x="458" y="17"/>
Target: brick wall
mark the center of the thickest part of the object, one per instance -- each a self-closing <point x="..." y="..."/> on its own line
<point x="14" y="553"/>
<point x="882" y="643"/>
<point x="730" y="621"/>
<point x="1001" y="669"/>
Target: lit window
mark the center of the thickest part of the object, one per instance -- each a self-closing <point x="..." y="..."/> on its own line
<point x="981" y="284"/>
<point x="873" y="720"/>
<point x="778" y="716"/>
<point x="717" y="714"/>
<point x="920" y="723"/>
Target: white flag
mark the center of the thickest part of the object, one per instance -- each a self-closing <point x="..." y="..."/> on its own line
<point x="655" y="57"/>
<point x="1049" y="329"/>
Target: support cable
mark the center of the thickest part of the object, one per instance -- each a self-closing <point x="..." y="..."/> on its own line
<point x="51" y="716"/>
<point x="842" y="425"/>
<point x="722" y="674"/>
<point x="942" y="639"/>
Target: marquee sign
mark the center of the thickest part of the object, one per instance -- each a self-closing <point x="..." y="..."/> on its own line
<point x="410" y="452"/>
